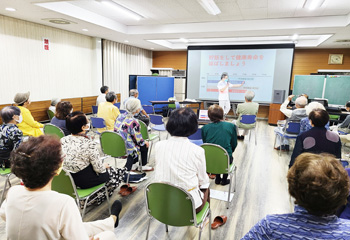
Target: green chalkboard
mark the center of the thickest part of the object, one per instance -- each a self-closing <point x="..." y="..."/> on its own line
<point x="312" y="85"/>
<point x="337" y="89"/>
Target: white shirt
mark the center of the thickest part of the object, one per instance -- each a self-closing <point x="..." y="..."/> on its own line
<point x="182" y="163"/>
<point x="101" y="98"/>
<point x="284" y="110"/>
<point x="41" y="215"/>
<point x="225" y="94"/>
<point x="53" y="109"/>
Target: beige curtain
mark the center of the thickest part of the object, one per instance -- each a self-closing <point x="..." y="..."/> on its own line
<point x="121" y="60"/>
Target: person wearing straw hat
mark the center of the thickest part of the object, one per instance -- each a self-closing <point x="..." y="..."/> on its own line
<point x="28" y="126"/>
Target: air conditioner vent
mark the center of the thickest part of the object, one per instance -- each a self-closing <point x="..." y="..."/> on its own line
<point x="178" y="73"/>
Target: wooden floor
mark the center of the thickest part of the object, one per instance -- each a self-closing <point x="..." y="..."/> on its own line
<point x="261" y="189"/>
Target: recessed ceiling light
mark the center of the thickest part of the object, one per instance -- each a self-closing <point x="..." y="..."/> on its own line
<point x="10" y="9"/>
<point x="126" y="41"/>
<point x="295" y="37"/>
<point x="183" y="40"/>
<point x="313" y="4"/>
<point x="121" y="9"/>
<point x="85" y="30"/>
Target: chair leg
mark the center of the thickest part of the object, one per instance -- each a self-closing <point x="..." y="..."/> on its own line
<point x="209" y="224"/>
<point x="85" y="204"/>
<point x="109" y="203"/>
<point x="255" y="130"/>
<point x="140" y="164"/>
<point x="148" y="227"/>
<point x="166" y="228"/>
<point x="229" y="193"/>
<point x="250" y="133"/>
<point x="127" y="179"/>
<point x="149" y="152"/>
<point x="5" y="186"/>
<point x="200" y="233"/>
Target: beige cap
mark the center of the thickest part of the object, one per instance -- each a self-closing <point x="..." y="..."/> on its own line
<point x="21" y="98"/>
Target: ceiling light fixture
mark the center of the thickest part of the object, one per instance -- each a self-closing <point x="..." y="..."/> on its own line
<point x="313" y="4"/>
<point x="85" y="30"/>
<point x="295" y="37"/>
<point x="10" y="9"/>
<point x="210" y="6"/>
<point x="183" y="40"/>
<point x="126" y="41"/>
<point x="122" y="9"/>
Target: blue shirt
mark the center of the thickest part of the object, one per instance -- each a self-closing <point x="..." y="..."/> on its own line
<point x="305" y="125"/>
<point x="300" y="225"/>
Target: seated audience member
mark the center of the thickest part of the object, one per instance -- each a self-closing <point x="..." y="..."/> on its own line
<point x="34" y="211"/>
<point x="142" y="115"/>
<point x="180" y="162"/>
<point x="291" y="104"/>
<point x="318" y="139"/>
<point x="54" y="102"/>
<point x="344" y="126"/>
<point x="221" y="133"/>
<point x="102" y="97"/>
<point x="320" y="185"/>
<point x="82" y="158"/>
<point x="305" y="122"/>
<point x="10" y="135"/>
<point x="108" y="111"/>
<point x="62" y="111"/>
<point x="293" y="115"/>
<point x="247" y="108"/>
<point x="28" y="126"/>
<point x="129" y="128"/>
<point x="345" y="210"/>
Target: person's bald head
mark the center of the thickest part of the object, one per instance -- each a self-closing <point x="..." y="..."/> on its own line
<point x="301" y="102"/>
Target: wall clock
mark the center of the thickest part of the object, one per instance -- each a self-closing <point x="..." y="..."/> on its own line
<point x="335" y="59"/>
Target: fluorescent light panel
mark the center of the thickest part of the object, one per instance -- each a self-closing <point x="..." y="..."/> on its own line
<point x="313" y="4"/>
<point x="210" y="6"/>
<point x="122" y="10"/>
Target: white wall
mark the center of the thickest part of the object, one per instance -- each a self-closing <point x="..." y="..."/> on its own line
<point x="71" y="68"/>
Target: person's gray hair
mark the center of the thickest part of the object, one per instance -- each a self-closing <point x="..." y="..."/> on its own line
<point x="301" y="101"/>
<point x="249" y="95"/>
<point x="133" y="92"/>
<point x="110" y="96"/>
<point x="132" y="105"/>
<point x="54" y="101"/>
<point x="312" y="106"/>
<point x="8" y="112"/>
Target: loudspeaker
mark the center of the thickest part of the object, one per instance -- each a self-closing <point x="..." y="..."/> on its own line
<point x="278" y="96"/>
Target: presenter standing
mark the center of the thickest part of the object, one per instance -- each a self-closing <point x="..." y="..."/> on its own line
<point x="223" y="86"/>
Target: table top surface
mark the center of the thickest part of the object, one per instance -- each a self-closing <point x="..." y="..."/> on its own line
<point x="181" y="102"/>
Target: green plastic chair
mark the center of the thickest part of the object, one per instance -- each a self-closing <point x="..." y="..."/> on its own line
<point x="64" y="183"/>
<point x="148" y="136"/>
<point x="50" y="114"/>
<point x="218" y="162"/>
<point x="6" y="172"/>
<point x="174" y="206"/>
<point x="112" y="144"/>
<point x="50" y="129"/>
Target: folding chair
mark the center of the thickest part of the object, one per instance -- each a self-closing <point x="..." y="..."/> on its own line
<point x="122" y="111"/>
<point x="148" y="136"/>
<point x="50" y="114"/>
<point x="196" y="138"/>
<point x="64" y="183"/>
<point x="157" y="121"/>
<point x="94" y="109"/>
<point x="6" y="173"/>
<point x="117" y="105"/>
<point x="50" y="129"/>
<point x="97" y="122"/>
<point x="291" y="131"/>
<point x="218" y="162"/>
<point x="149" y="109"/>
<point x="173" y="106"/>
<point x="249" y="119"/>
<point x="174" y="206"/>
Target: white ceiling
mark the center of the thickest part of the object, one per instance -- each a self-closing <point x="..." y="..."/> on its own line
<point x="166" y="21"/>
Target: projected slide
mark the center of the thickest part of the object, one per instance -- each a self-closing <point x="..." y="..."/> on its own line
<point x="253" y="67"/>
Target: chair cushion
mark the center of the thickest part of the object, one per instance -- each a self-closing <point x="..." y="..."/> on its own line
<point x="159" y="128"/>
<point x="86" y="192"/>
<point x="203" y="213"/>
<point x="5" y="171"/>
<point x="152" y="136"/>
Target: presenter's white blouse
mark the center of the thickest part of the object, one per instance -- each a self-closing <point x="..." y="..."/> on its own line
<point x="225" y="94"/>
<point x="182" y="163"/>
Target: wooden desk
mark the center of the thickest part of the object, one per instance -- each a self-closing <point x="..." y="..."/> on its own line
<point x="275" y="114"/>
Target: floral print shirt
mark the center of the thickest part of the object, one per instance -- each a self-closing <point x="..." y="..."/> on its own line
<point x="10" y="138"/>
<point x="80" y="152"/>
<point x="129" y="128"/>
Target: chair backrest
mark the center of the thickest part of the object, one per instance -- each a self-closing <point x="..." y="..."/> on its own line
<point x="170" y="205"/>
<point x="149" y="109"/>
<point x="172" y="103"/>
<point x="156" y="119"/>
<point x="50" y="129"/>
<point x="117" y="104"/>
<point x="143" y="129"/>
<point x="97" y="122"/>
<point x="216" y="158"/>
<point x="248" y="119"/>
<point x="177" y="105"/>
<point x="122" y="111"/>
<point x="64" y="183"/>
<point x="94" y="109"/>
<point x="50" y="114"/>
<point x="197" y="135"/>
<point x="113" y="144"/>
<point x="293" y="127"/>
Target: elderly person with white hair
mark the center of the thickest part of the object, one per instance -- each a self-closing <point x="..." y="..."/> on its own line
<point x="293" y="115"/>
<point x="129" y="128"/>
<point x="247" y="108"/>
<point x="305" y="122"/>
<point x="54" y="102"/>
